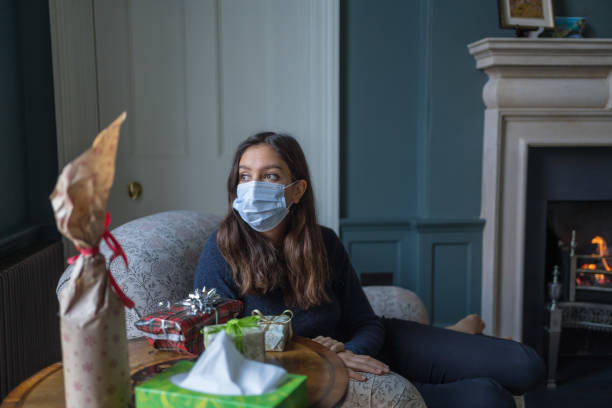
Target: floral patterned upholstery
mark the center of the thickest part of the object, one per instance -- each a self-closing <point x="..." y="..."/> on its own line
<point x="396" y="302"/>
<point x="163" y="250"/>
<point x="385" y="391"/>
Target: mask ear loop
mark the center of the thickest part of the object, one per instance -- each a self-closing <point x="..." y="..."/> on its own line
<point x="286" y="187"/>
<point x="290" y="184"/>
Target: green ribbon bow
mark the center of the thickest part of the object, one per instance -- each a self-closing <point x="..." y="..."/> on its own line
<point x="234" y="328"/>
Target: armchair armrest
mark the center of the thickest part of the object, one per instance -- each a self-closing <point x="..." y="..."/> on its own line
<point x="396" y="302"/>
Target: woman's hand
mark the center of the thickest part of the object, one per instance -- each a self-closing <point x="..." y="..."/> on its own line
<point x="334" y="345"/>
<point x="353" y="362"/>
<point x="358" y="362"/>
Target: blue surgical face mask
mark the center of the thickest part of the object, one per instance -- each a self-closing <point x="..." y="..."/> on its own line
<point x="261" y="204"/>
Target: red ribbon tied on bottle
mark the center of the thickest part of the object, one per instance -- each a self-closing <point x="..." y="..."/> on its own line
<point x="113" y="244"/>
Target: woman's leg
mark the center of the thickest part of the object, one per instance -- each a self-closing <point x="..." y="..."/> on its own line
<point x="472" y="393"/>
<point x="432" y="355"/>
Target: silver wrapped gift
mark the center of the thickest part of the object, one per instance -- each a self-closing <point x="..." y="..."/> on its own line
<point x="277" y="329"/>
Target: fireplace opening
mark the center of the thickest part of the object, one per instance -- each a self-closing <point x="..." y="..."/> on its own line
<point x="577" y="233"/>
<point x="569" y="194"/>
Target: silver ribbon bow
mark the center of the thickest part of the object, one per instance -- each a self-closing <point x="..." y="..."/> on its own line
<point x="200" y="300"/>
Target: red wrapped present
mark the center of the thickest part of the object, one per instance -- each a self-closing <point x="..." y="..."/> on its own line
<point x="178" y="326"/>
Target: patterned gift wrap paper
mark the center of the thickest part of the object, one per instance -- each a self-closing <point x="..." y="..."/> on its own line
<point x="179" y="329"/>
<point x="95" y="355"/>
<point x="277" y="329"/>
<point x="160" y="392"/>
<point x="249" y="339"/>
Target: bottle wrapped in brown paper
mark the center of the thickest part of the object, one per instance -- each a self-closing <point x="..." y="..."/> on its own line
<point x="92" y="316"/>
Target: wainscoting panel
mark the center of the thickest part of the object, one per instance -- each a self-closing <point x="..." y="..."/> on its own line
<point x="383" y="248"/>
<point x="440" y="260"/>
<point x="376" y="258"/>
<point x="450" y="279"/>
<point x="449" y="268"/>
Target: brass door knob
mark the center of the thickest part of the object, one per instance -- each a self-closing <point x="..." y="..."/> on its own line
<point x="134" y="190"/>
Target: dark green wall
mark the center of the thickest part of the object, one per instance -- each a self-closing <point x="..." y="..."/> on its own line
<point x="12" y="151"/>
<point x="411" y="133"/>
<point x="28" y="147"/>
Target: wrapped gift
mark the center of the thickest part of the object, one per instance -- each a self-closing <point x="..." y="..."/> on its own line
<point x="247" y="335"/>
<point x="160" y="392"/>
<point x="92" y="317"/>
<point x="277" y="329"/>
<point x="178" y="326"/>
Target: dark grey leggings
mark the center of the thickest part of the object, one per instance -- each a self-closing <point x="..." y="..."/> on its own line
<point x="452" y="369"/>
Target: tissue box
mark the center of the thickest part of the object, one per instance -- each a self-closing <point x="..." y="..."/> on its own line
<point x="178" y="328"/>
<point x="248" y="338"/>
<point x="160" y="392"/>
<point x="277" y="329"/>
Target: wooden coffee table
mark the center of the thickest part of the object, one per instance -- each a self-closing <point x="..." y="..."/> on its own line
<point x="327" y="377"/>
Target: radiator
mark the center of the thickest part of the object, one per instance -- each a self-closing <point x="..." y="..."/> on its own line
<point x="29" y="323"/>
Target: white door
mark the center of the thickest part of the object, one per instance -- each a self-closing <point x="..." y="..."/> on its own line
<point x="197" y="77"/>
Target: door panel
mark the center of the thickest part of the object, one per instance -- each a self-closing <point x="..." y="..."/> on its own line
<point x="158" y="60"/>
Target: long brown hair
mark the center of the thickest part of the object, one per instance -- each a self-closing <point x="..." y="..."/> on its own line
<point x="299" y="267"/>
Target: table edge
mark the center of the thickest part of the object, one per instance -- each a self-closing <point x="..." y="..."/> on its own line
<point x="17" y="396"/>
<point x="340" y="374"/>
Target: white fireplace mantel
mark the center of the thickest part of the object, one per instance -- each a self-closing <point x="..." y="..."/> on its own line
<point x="541" y="92"/>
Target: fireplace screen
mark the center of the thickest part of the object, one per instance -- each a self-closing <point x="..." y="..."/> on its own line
<point x="578" y="237"/>
<point x="591" y="271"/>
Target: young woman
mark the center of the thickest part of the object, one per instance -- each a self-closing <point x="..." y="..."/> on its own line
<point x="270" y="253"/>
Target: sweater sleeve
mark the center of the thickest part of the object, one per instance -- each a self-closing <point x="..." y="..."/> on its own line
<point x="213" y="271"/>
<point x="363" y="329"/>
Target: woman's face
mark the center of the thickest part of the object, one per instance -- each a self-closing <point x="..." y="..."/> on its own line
<point x="262" y="163"/>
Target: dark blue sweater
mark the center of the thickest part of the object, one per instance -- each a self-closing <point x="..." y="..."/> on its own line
<point x="348" y="317"/>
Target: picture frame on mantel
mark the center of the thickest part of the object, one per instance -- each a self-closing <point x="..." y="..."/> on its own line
<point x="526" y="15"/>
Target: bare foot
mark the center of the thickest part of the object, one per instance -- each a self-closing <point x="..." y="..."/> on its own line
<point x="470" y="324"/>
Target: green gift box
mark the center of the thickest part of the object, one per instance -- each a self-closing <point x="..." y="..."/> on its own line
<point x="248" y="337"/>
<point x="160" y="392"/>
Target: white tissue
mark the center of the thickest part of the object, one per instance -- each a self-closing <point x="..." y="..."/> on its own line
<point x="221" y="369"/>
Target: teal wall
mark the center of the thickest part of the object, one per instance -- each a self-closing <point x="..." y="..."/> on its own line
<point x="28" y="147"/>
<point x="411" y="134"/>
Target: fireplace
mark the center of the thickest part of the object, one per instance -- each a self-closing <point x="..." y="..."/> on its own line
<point x="542" y="94"/>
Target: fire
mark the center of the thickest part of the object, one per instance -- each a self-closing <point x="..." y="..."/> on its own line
<point x="596" y="279"/>
<point x="589" y="266"/>
<point x="603" y="251"/>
